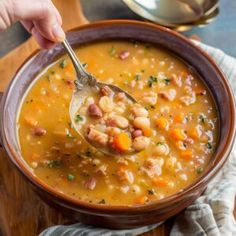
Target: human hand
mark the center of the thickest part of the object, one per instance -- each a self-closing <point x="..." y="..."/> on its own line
<point x="39" y="17"/>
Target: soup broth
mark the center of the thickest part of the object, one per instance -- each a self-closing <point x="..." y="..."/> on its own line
<point x="183" y="126"/>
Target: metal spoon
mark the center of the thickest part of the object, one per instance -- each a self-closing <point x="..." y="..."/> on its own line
<point x="172" y="13"/>
<point x="87" y="84"/>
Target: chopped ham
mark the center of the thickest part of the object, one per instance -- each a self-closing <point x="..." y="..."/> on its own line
<point x="169" y="95"/>
<point x="153" y="167"/>
<point x="94" y="111"/>
<point x="101" y="170"/>
<point x="106" y="91"/>
<point x="188" y="100"/>
<point x="97" y="136"/>
<point x="90" y="183"/>
<point x="150" y="98"/>
<point x="124" y="55"/>
<point x="38" y="131"/>
<point x="125" y="176"/>
<point x="177" y="80"/>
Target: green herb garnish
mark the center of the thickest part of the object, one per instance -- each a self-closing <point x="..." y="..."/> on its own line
<point x="151" y="80"/>
<point x="102" y="201"/>
<point x="200" y="170"/>
<point x="88" y="153"/>
<point x="166" y="81"/>
<point x="63" y="64"/>
<point x="209" y="145"/>
<point x="68" y="134"/>
<point x="151" y="192"/>
<point x="79" y="118"/>
<point x="112" y="51"/>
<point x="137" y="77"/>
<point x="70" y="177"/>
<point x="54" y="163"/>
<point x="85" y="65"/>
<point x="202" y="118"/>
<point x="159" y="143"/>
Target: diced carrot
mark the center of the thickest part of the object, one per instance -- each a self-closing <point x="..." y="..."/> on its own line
<point x="140" y="200"/>
<point x="30" y="121"/>
<point x="194" y="133"/>
<point x="162" y="123"/>
<point x="186" y="154"/>
<point x="122" y="142"/>
<point x="147" y="131"/>
<point x="69" y="68"/>
<point x="184" y="74"/>
<point x="160" y="182"/>
<point x="122" y="168"/>
<point x="35" y="157"/>
<point x="199" y="90"/>
<point x="179" y="118"/>
<point x="178" y="134"/>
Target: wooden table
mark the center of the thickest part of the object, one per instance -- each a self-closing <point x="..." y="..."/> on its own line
<point x="22" y="212"/>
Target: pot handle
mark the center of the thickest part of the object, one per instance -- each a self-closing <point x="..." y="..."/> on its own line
<point x="1" y="93"/>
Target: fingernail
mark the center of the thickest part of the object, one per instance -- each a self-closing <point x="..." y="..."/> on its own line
<point x="58" y="32"/>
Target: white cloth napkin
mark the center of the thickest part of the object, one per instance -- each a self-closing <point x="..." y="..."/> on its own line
<point x="210" y="215"/>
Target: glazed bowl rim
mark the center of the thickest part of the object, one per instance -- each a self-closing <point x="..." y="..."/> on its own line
<point x="206" y="177"/>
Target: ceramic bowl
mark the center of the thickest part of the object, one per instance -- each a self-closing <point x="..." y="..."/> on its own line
<point x="121" y="216"/>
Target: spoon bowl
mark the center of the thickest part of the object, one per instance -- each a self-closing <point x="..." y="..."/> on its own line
<point x="87" y="84"/>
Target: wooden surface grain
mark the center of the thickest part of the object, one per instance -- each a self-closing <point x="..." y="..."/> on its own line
<point x="22" y="212"/>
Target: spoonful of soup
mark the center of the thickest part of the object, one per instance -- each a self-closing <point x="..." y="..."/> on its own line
<point x="106" y="116"/>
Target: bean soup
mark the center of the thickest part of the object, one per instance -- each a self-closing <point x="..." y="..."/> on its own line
<point x="176" y="130"/>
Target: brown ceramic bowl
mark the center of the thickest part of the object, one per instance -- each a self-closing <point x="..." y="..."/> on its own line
<point x="120" y="216"/>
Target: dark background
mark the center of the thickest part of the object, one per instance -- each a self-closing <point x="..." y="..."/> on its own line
<point x="221" y="33"/>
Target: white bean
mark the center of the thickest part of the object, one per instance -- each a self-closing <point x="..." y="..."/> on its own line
<point x="162" y="149"/>
<point x="106" y="104"/>
<point x="141" y="122"/>
<point x="121" y="121"/>
<point x="140" y="111"/>
<point x="140" y="143"/>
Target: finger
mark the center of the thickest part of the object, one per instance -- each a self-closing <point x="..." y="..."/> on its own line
<point x="28" y="25"/>
<point x="43" y="42"/>
<point x="44" y="15"/>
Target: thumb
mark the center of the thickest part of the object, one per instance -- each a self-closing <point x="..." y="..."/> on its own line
<point x="44" y="16"/>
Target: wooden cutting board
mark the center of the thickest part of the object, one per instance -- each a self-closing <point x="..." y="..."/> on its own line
<point x="22" y="212"/>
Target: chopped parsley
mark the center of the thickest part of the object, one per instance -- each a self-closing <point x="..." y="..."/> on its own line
<point x="103" y="201"/>
<point x="199" y="170"/>
<point x="79" y="118"/>
<point x="112" y="51"/>
<point x="85" y="65"/>
<point x="159" y="143"/>
<point x="54" y="163"/>
<point x="151" y="192"/>
<point x="70" y="177"/>
<point x="152" y="80"/>
<point x="202" y="118"/>
<point x="137" y="77"/>
<point x="166" y="81"/>
<point x="63" y="64"/>
<point x="88" y="153"/>
<point x="209" y="146"/>
<point x="68" y="134"/>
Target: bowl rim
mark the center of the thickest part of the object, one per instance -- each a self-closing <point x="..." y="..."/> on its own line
<point x="118" y="209"/>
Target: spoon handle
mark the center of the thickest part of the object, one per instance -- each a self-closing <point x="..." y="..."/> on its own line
<point x="83" y="77"/>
